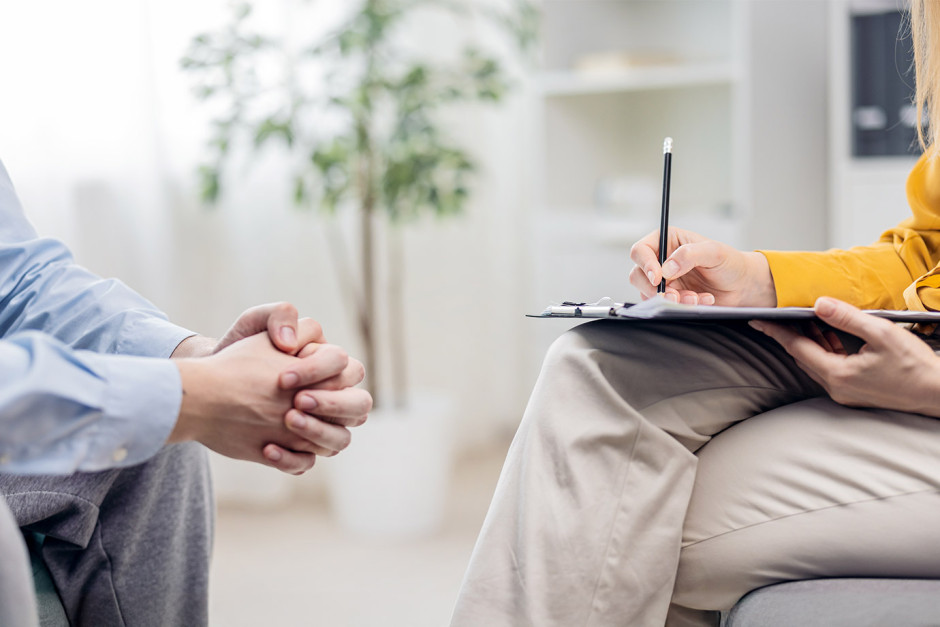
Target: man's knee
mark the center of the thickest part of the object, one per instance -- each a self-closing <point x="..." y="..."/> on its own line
<point x="176" y="480"/>
<point x="187" y="463"/>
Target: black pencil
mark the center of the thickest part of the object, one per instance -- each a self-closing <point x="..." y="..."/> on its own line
<point x="664" y="216"/>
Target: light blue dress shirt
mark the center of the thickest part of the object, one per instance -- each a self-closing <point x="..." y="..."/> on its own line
<point x="85" y="383"/>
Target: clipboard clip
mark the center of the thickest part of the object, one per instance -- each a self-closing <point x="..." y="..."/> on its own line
<point x="577" y="307"/>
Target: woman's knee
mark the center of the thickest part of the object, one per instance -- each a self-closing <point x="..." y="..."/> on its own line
<point x="568" y="347"/>
<point x="602" y="350"/>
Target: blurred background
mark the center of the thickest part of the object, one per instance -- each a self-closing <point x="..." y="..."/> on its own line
<point x="791" y="130"/>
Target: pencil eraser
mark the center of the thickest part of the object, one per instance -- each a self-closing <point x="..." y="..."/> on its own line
<point x="667" y="145"/>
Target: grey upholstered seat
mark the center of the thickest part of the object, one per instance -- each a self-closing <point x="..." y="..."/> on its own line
<point x="841" y="603"/>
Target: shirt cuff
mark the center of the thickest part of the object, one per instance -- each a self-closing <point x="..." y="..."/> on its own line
<point x="140" y="409"/>
<point x="149" y="336"/>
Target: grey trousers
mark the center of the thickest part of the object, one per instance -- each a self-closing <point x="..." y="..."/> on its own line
<point x="626" y="499"/>
<point x="124" y="547"/>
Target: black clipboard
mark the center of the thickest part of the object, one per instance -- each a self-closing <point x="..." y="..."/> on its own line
<point x="658" y="308"/>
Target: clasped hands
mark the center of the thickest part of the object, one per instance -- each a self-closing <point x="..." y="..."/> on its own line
<point x="893" y="369"/>
<point x="270" y="391"/>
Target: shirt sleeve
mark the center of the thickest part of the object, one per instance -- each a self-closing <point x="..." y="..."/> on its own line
<point x="899" y="271"/>
<point x="65" y="410"/>
<point x="869" y="277"/>
<point x="84" y="379"/>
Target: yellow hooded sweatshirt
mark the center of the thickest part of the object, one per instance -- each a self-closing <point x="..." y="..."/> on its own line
<point x="900" y="271"/>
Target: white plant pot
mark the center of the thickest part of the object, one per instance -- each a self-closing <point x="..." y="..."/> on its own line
<point x="392" y="481"/>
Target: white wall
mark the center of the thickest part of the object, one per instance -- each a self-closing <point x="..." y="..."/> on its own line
<point x="788" y="131"/>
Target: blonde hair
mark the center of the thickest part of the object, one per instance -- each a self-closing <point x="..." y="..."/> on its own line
<point x="925" y="32"/>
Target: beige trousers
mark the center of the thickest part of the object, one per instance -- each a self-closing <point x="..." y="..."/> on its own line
<point x="619" y="505"/>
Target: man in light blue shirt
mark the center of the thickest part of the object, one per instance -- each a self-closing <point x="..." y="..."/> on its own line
<point x="99" y="460"/>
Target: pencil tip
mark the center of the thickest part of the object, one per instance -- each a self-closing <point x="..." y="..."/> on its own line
<point x="667" y="145"/>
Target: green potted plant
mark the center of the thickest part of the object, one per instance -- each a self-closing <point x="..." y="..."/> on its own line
<point x="385" y="153"/>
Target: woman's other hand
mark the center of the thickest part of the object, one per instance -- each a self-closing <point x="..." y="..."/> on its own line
<point x="893" y="370"/>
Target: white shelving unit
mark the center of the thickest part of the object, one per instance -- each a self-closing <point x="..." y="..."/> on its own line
<point x="739" y="85"/>
<point x="867" y="194"/>
<point x="568" y="83"/>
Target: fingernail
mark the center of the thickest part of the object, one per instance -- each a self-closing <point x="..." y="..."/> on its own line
<point x="825" y="306"/>
<point x="652" y="277"/>
<point x="708" y="299"/>
<point x="670" y="268"/>
<point x="273" y="454"/>
<point x="671" y="297"/>
<point x="307" y="403"/>
<point x="296" y="420"/>
<point x="288" y="336"/>
<point x="290" y="380"/>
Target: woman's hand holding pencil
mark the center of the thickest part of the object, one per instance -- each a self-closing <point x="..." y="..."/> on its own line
<point x="697" y="271"/>
<point x="700" y="271"/>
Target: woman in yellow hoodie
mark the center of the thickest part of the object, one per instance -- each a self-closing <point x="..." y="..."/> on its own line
<point x="611" y="509"/>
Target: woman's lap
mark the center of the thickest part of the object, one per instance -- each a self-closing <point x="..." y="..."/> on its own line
<point x="813" y="489"/>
